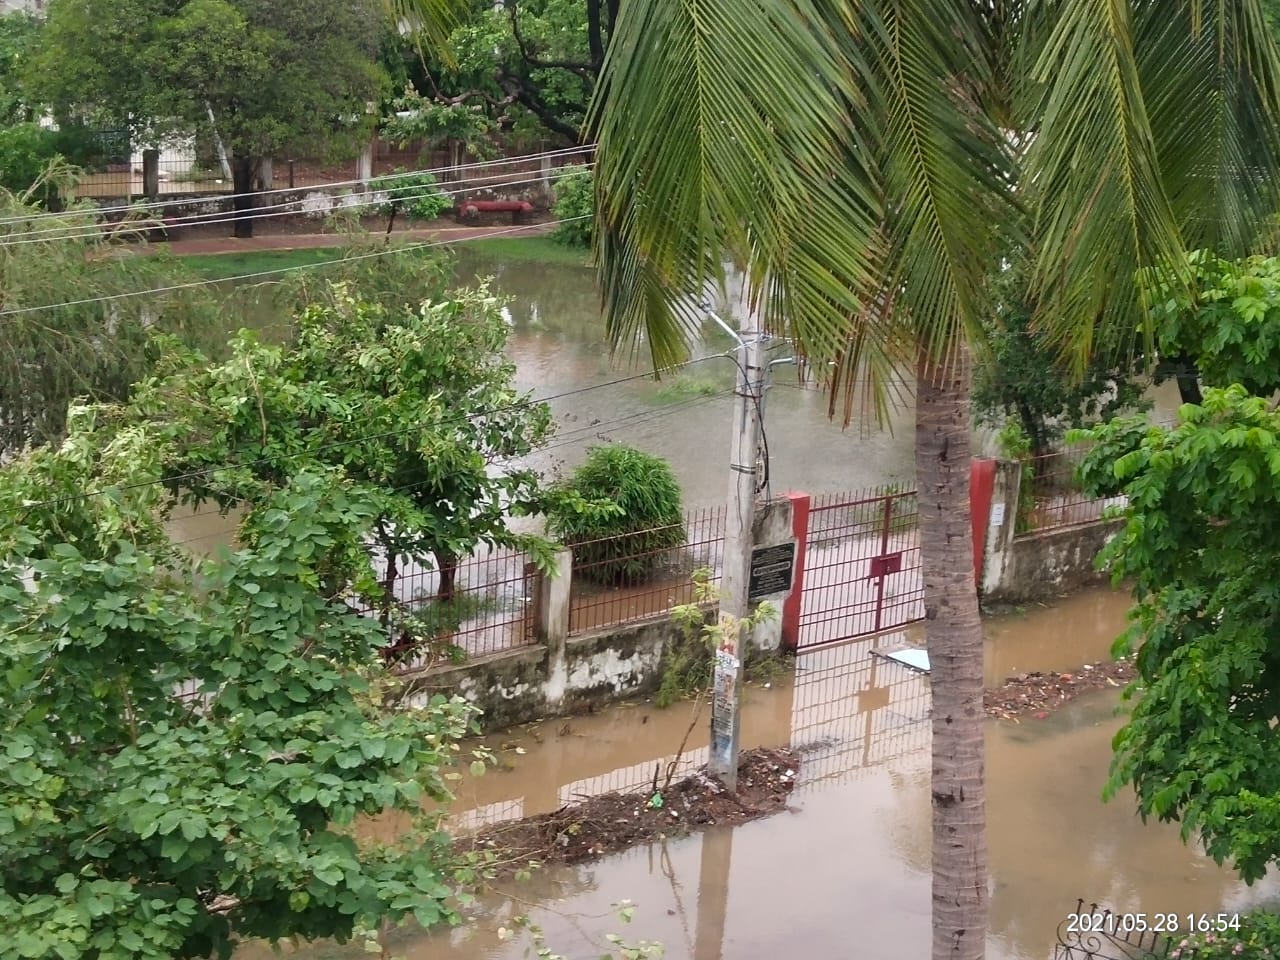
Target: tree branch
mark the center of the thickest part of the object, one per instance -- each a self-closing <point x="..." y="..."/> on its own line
<point x="581" y="69"/>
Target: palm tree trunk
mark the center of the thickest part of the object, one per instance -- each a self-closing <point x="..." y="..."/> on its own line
<point x="953" y="634"/>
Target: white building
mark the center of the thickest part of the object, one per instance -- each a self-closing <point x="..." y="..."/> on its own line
<point x="26" y="6"/>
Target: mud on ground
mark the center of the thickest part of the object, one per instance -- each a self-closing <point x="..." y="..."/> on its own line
<point x="613" y="822"/>
<point x="1036" y="694"/>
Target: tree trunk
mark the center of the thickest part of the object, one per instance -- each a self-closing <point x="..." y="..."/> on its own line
<point x="243" y="170"/>
<point x="1188" y="378"/>
<point x="953" y="634"/>
<point x="447" y="564"/>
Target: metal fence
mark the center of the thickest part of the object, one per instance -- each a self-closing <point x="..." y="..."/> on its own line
<point x="1051" y="496"/>
<point x="619" y="580"/>
<point x="492" y="606"/>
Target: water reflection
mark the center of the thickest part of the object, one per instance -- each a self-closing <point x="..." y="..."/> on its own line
<point x="847" y="872"/>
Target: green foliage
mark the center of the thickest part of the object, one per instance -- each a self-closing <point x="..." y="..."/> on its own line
<point x="290" y="77"/>
<point x="417" y="119"/>
<point x="634" y="543"/>
<point x="1230" y="327"/>
<point x="94" y="350"/>
<point x="1025" y="376"/>
<point x="25" y="153"/>
<point x="688" y="387"/>
<point x="414" y="403"/>
<point x="418" y="196"/>
<point x="1258" y="936"/>
<point x="140" y="824"/>
<point x="19" y="33"/>
<point x="1200" y="544"/>
<point x="575" y="199"/>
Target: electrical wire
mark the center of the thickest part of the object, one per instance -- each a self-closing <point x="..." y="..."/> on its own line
<point x="288" y="209"/>
<point x="474" y="165"/>
<point x="192" y="284"/>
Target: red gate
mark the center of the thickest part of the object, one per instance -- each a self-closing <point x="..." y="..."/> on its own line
<point x="862" y="571"/>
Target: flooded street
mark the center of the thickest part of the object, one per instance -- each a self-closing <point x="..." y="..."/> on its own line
<point x="846" y="873"/>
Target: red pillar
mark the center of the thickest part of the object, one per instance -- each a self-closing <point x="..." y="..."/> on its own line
<point x="795" y="599"/>
<point x="982" y="483"/>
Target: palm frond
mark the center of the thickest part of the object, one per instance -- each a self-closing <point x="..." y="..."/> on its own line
<point x="428" y="22"/>
<point x="1210" y="74"/>
<point x="1093" y="177"/>
<point x="722" y="136"/>
<point x="946" y="171"/>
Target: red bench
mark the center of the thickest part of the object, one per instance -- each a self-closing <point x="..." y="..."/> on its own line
<point x="470" y="210"/>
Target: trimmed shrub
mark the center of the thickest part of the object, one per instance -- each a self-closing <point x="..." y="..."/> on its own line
<point x="633" y="545"/>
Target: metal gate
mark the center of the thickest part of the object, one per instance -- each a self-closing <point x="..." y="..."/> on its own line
<point x="862" y="571"/>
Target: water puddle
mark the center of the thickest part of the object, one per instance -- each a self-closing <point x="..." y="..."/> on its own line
<point x="847" y="872"/>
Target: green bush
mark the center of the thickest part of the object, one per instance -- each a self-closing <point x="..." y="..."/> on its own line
<point x="632" y="545"/>
<point x="1258" y="936"/>
<point x="25" y="151"/>
<point x="418" y="196"/>
<point x="575" y="199"/>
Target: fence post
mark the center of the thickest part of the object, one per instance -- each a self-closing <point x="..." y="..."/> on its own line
<point x="1001" y="526"/>
<point x="151" y="174"/>
<point x="982" y="477"/>
<point x="552" y="628"/>
<point x="792" y="606"/>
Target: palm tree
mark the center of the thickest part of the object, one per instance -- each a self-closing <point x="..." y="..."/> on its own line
<point x="862" y="162"/>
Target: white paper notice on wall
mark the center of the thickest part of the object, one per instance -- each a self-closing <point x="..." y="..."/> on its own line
<point x="997" y="514"/>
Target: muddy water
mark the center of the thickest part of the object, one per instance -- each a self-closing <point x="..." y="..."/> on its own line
<point x="846" y="874"/>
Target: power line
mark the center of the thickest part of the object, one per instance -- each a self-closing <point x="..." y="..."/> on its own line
<point x="408" y="248"/>
<point x="475" y="165"/>
<point x="289" y="208"/>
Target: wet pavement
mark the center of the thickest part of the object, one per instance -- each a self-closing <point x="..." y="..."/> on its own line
<point x="846" y="873"/>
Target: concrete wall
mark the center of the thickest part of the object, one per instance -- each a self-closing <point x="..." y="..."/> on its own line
<point x="563" y="674"/>
<point x="1039" y="565"/>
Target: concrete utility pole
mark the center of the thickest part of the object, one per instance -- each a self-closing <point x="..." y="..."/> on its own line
<point x="738" y="542"/>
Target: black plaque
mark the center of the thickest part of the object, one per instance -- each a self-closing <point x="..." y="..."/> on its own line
<point x="772" y="569"/>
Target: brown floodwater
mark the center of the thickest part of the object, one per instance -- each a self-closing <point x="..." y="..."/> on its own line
<point x="845" y="873"/>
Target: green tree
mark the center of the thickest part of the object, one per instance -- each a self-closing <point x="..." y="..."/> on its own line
<point x="1023" y="375"/>
<point x="861" y="163"/>
<point x="1200" y="543"/>
<point x="18" y="36"/>
<point x="288" y="75"/>
<point x="188" y="746"/>
<point x="1226" y="329"/>
<point x="414" y="403"/>
<point x="91" y="347"/>
<point x="529" y="66"/>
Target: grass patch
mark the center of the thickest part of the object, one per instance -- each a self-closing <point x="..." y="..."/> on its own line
<point x="223" y="266"/>
<point x="688" y="388"/>
<point x="528" y="250"/>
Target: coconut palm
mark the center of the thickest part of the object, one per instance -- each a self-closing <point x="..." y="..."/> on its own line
<point x="863" y="163"/>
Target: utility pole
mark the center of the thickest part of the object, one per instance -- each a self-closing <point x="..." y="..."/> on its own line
<point x="748" y="400"/>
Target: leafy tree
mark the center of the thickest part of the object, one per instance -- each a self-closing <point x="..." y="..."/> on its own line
<point x="288" y="75"/>
<point x="139" y="821"/>
<point x="18" y="35"/>
<point x="634" y="542"/>
<point x="91" y="347"/>
<point x="415" y="404"/>
<point x="1226" y="329"/>
<point x="1024" y="375"/>
<point x="526" y="65"/>
<point x="1200" y="544"/>
<point x="575" y="208"/>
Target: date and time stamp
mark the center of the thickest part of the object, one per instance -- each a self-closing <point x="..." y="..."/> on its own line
<point x="1169" y="923"/>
